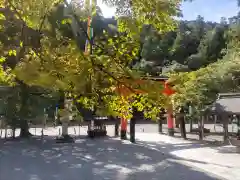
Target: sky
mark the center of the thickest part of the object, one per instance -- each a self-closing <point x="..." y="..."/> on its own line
<point x="211" y="10"/>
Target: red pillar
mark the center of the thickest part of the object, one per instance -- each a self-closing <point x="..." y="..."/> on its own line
<point x="168" y="91"/>
<point x="123" y="128"/>
<point x="170" y="121"/>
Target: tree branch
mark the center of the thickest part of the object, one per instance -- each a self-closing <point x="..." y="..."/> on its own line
<point x="16" y="11"/>
<point x="90" y="40"/>
<point x="78" y="23"/>
<point x="45" y="15"/>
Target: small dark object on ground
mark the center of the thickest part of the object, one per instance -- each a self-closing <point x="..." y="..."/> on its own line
<point x="205" y="130"/>
<point x="65" y="139"/>
<point x="96" y="133"/>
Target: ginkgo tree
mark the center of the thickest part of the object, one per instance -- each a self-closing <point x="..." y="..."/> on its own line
<point x="37" y="57"/>
<point x="21" y="29"/>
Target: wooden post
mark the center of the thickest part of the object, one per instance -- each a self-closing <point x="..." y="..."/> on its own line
<point x="160" y="129"/>
<point x="191" y="119"/>
<point x="116" y="128"/>
<point x="42" y="133"/>
<point x="215" y="121"/>
<point x="132" y="129"/>
<point x="1" y="126"/>
<point x="201" y="127"/>
<point x="6" y="131"/>
<point x="203" y="122"/>
<point x="42" y="136"/>
<point x="14" y="132"/>
<point x="160" y="120"/>
<point x="132" y="126"/>
<point x="238" y="128"/>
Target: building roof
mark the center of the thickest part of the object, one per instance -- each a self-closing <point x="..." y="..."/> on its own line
<point x="227" y="95"/>
<point x="154" y="78"/>
<point x="228" y="102"/>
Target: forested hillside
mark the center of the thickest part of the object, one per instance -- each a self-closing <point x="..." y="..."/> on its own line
<point x="192" y="45"/>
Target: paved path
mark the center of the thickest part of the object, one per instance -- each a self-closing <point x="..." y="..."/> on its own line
<point x="98" y="159"/>
<point x="221" y="161"/>
<point x="154" y="157"/>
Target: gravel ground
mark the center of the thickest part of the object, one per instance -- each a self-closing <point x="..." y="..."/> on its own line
<point x="105" y="159"/>
<point x="98" y="159"/>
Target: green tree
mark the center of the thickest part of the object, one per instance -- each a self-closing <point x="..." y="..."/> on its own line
<point x="233" y="33"/>
<point x="202" y="86"/>
<point x="43" y="53"/>
<point x="186" y="43"/>
<point x="211" y="46"/>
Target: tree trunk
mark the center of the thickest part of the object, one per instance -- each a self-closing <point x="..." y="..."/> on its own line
<point x="225" y="137"/>
<point x="182" y="126"/>
<point x="177" y="123"/>
<point x="225" y="127"/>
<point x="24" y="129"/>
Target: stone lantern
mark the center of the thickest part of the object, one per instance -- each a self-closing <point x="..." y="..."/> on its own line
<point x="65" y="118"/>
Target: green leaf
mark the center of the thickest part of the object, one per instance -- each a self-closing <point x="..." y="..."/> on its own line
<point x="2" y="59"/>
<point x="66" y="21"/>
<point x="12" y="53"/>
<point x="2" y="16"/>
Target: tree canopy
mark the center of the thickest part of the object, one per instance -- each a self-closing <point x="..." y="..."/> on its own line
<point x="42" y="45"/>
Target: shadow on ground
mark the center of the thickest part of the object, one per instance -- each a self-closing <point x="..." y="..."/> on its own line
<point x="87" y="159"/>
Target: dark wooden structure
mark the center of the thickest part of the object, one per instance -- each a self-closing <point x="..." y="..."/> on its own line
<point x="226" y="106"/>
<point x="97" y="127"/>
